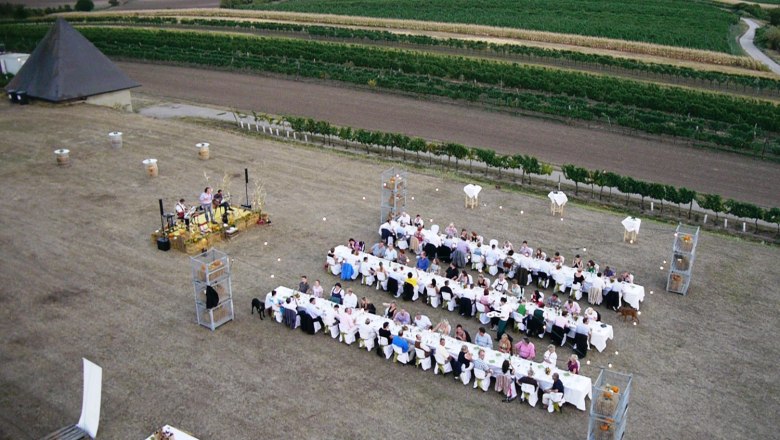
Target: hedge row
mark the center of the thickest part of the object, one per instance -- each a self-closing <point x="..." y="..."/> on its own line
<point x="530" y="165"/>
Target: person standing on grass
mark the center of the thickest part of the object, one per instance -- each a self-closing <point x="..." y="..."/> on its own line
<point x="205" y="204"/>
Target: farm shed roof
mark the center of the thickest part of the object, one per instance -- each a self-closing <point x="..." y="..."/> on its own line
<point x="65" y="65"/>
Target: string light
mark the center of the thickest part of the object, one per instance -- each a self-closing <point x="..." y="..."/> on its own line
<point x="272" y="275"/>
<point x="364" y="197"/>
<point x="609" y="365"/>
<point x="500" y="207"/>
<point x="265" y="243"/>
<point x="437" y="189"/>
<point x="521" y="212"/>
<point x="616" y="353"/>
<point x="278" y="259"/>
<point x="662" y="268"/>
<point x="324" y="219"/>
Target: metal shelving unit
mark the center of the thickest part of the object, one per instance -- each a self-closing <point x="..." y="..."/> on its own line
<point x="683" y="255"/>
<point x="212" y="268"/>
<point x="609" y="406"/>
<point x="393" y="194"/>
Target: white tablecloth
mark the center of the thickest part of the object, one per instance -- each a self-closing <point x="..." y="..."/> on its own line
<point x="600" y="332"/>
<point x="558" y="197"/>
<point x="576" y="387"/>
<point x="177" y="434"/>
<point x="631" y="224"/>
<point x="631" y="293"/>
<point x="472" y="191"/>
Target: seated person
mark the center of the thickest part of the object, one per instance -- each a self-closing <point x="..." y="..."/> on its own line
<point x="423" y="263"/>
<point x="366" y="305"/>
<point x="528" y="379"/>
<point x="462" y="362"/>
<point x="573" y="365"/>
<point x="418" y="221"/>
<point x="422" y="322"/>
<point x="182" y="212"/>
<point x="418" y="343"/>
<point x="384" y="332"/>
<point x="572" y="307"/>
<point x="525" y="349"/>
<point x="314" y="312"/>
<point x="402" y="317"/>
<point x="350" y="299"/>
<point x="501" y="285"/>
<point x="378" y="250"/>
<point x="401" y="342"/>
<point x="220" y="201"/>
<point x="504" y="344"/>
<point x="336" y="294"/>
<point x="481" y="364"/>
<point x="461" y="334"/>
<point x="452" y="272"/>
<point x="391" y="254"/>
<point x="557" y="387"/>
<point x="391" y="310"/>
<point x="553" y="301"/>
<point x="443" y="327"/>
<point x="483" y="339"/>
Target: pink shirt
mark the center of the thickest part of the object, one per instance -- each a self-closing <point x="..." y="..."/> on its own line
<point x="573" y="308"/>
<point x="525" y="351"/>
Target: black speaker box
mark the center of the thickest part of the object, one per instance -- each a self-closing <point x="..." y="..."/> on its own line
<point x="163" y="244"/>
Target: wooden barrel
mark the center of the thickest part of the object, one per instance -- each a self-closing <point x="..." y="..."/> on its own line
<point x="116" y="139"/>
<point x="203" y="150"/>
<point x="151" y="167"/>
<point x="63" y="157"/>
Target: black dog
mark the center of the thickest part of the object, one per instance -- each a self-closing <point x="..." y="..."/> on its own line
<point x="256" y="304"/>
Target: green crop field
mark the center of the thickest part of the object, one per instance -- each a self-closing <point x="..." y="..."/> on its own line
<point x="685" y="23"/>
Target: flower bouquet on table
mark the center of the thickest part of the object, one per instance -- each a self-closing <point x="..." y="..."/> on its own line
<point x="162" y="434"/>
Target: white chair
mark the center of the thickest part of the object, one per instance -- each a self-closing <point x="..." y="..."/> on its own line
<point x="421" y="360"/>
<point x="386" y="348"/>
<point x="448" y="301"/>
<point x="493" y="270"/>
<point x="347" y="336"/>
<point x="477" y="262"/>
<point x="366" y="342"/>
<point x="482" y="314"/>
<point x="481" y="380"/>
<point x="399" y="355"/>
<point x="334" y="331"/>
<point x="465" y="374"/>
<point x="435" y="229"/>
<point x="441" y="363"/>
<point x="403" y="245"/>
<point x="381" y="278"/>
<point x="554" y="401"/>
<point x="433" y="297"/>
<point x="576" y="291"/>
<point x="317" y="327"/>
<point x="88" y="423"/>
<point x="529" y="392"/>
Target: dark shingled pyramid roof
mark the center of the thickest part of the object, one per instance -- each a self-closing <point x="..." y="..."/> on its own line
<point x="66" y="66"/>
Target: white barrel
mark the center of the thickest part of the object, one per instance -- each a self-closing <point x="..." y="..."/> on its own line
<point x="63" y="157"/>
<point x="203" y="150"/>
<point x="151" y="167"/>
<point x="116" y="139"/>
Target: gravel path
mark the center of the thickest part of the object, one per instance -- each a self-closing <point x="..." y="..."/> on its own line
<point x="705" y="171"/>
<point x="746" y="41"/>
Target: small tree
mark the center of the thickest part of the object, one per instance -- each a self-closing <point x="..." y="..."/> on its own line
<point x="84" y="5"/>
<point x="627" y="185"/>
<point x="685" y="195"/>
<point x="576" y="174"/>
<point x="713" y="202"/>
<point x="672" y="196"/>
<point x="417" y="145"/>
<point x="774" y="16"/>
<point x="486" y="156"/>
<point x="643" y="189"/>
<point x="658" y="192"/>
<point x="773" y="216"/>
<point x="611" y="180"/>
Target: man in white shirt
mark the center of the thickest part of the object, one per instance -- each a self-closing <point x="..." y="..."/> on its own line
<point x="391" y="254"/>
<point x="314" y="312"/>
<point x="404" y="219"/>
<point x="347" y="320"/>
<point x="422" y="322"/>
<point x="492" y="256"/>
<point x="505" y="311"/>
<point x="500" y="284"/>
<point x="350" y="300"/>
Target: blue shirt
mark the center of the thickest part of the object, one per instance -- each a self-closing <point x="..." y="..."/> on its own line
<point x="423" y="263"/>
<point x="484" y="340"/>
<point x="401" y="343"/>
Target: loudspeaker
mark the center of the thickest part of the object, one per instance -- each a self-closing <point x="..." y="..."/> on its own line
<point x="163" y="244"/>
<point x="246" y="175"/>
<point x="161" y="208"/>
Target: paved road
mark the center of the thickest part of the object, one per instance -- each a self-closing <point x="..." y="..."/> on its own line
<point x="746" y="41"/>
<point x="705" y="171"/>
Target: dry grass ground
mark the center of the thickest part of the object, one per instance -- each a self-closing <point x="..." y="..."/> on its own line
<point x="80" y="278"/>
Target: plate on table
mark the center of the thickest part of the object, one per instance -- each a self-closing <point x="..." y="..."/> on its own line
<point x="566" y="374"/>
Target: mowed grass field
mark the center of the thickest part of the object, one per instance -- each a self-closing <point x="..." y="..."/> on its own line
<point x="693" y="24"/>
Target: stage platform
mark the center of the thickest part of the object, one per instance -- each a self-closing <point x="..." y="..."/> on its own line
<point x="204" y="235"/>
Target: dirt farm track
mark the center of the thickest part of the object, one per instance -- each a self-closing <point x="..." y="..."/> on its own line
<point x="730" y="175"/>
<point x="81" y="279"/>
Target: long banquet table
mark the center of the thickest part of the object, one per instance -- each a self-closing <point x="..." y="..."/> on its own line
<point x="599" y="334"/>
<point x="576" y="387"/>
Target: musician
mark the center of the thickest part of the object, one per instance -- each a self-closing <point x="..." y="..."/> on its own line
<point x="220" y="201"/>
<point x="182" y="214"/>
<point x="205" y="203"/>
